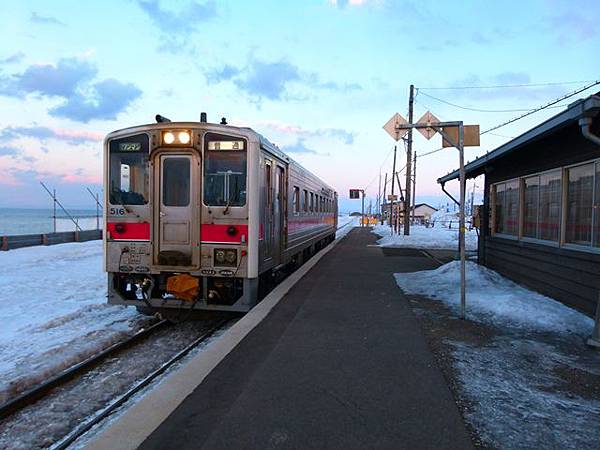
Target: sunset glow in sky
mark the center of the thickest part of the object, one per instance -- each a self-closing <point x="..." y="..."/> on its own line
<point x="318" y="78"/>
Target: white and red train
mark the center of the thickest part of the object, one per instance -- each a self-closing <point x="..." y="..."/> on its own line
<point x="204" y="216"/>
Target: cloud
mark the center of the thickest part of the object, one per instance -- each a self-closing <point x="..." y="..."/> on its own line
<point x="109" y="97"/>
<point x="294" y="130"/>
<point x="14" y="58"/>
<point x="298" y="147"/>
<point x="8" y="151"/>
<point x="272" y="80"/>
<point x="344" y="3"/>
<point x="185" y="21"/>
<point x="177" y="26"/>
<point x="571" y="24"/>
<point x="268" y="80"/>
<point x="72" y="80"/>
<point x="45" y="20"/>
<point x="60" y="80"/>
<point x="43" y="133"/>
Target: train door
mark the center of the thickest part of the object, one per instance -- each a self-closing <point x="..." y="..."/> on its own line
<point x="175" y="232"/>
<point x="279" y="214"/>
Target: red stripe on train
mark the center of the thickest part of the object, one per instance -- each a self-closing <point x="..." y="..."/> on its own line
<point x="224" y="233"/>
<point x="129" y="231"/>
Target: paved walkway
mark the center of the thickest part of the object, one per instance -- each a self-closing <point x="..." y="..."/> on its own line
<point x="339" y="363"/>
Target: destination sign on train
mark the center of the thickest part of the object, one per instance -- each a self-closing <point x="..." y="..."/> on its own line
<point x="130" y="146"/>
<point x="226" y="145"/>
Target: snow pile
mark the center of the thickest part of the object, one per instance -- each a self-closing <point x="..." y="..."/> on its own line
<point x="515" y="382"/>
<point x="437" y="237"/>
<point x="494" y="299"/>
<point x="53" y="312"/>
<point x="513" y="385"/>
<point x="345" y="224"/>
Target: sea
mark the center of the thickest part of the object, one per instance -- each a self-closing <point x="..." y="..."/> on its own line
<point x="14" y="221"/>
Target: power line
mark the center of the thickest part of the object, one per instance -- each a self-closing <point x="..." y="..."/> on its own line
<point x="468" y="108"/>
<point x="501" y="86"/>
<point x="547" y="105"/>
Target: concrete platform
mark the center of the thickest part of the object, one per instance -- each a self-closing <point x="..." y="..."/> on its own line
<point x="339" y="362"/>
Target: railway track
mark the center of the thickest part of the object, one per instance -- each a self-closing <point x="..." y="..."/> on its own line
<point x="118" y="402"/>
<point x="87" y="393"/>
<point x="34" y="394"/>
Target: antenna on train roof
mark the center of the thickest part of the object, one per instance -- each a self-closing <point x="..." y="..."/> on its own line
<point x="223" y="121"/>
<point x="203" y="117"/>
<point x="160" y="119"/>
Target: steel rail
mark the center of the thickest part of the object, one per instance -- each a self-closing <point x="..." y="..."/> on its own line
<point x="108" y="410"/>
<point x="34" y="394"/>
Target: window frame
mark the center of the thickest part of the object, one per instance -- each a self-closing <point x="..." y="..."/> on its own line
<point x="561" y="242"/>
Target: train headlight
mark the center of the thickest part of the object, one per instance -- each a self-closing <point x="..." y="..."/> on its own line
<point x="177" y="137"/>
<point x="184" y="137"/>
<point x="226" y="257"/>
<point x="168" y="137"/>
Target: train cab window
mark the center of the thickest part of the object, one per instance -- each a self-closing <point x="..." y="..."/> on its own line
<point x="296" y="200"/>
<point x="224" y="171"/>
<point x="129" y="172"/>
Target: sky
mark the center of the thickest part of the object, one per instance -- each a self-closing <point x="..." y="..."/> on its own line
<point x="319" y="78"/>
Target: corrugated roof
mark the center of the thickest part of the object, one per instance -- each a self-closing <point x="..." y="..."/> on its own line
<point x="587" y="107"/>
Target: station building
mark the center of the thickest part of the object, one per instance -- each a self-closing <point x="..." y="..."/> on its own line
<point x="540" y="219"/>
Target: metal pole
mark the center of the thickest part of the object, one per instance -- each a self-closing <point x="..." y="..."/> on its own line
<point x="54" y="205"/>
<point x="463" y="301"/>
<point x="392" y="201"/>
<point x="384" y="197"/>
<point x="411" y="100"/>
<point x="402" y="199"/>
<point x="594" y="339"/>
<point x="378" y="208"/>
<point x="61" y="206"/>
<point x="362" y="220"/>
<point x="414" y="187"/>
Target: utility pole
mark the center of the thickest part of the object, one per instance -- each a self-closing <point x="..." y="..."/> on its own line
<point x="392" y="201"/>
<point x="384" y="197"/>
<point x="414" y="189"/>
<point x="411" y="100"/>
<point x="402" y="199"/>
<point x="378" y="207"/>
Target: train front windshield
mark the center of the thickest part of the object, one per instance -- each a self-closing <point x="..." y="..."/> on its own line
<point x="129" y="171"/>
<point x="224" y="174"/>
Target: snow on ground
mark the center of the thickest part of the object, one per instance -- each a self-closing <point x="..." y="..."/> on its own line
<point x="516" y="382"/>
<point x="345" y="224"/>
<point x="494" y="299"/>
<point x="437" y="237"/>
<point x="53" y="312"/>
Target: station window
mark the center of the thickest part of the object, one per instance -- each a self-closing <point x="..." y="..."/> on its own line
<point x="296" y="200"/>
<point x="580" y="204"/>
<point x="541" y="206"/>
<point x="506" y="207"/>
<point x="312" y="202"/>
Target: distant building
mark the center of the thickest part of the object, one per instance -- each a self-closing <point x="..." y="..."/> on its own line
<point x="540" y="219"/>
<point x="423" y="212"/>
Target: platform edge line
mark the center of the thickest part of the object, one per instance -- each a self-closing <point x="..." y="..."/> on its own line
<point x="141" y="419"/>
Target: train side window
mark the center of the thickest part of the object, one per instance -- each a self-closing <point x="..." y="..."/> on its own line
<point x="268" y="184"/>
<point x="296" y="200"/>
<point x="305" y="201"/>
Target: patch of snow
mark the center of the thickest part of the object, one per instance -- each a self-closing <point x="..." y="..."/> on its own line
<point x="53" y="312"/>
<point x="493" y="299"/>
<point x="437" y="237"/>
<point x="345" y="224"/>
<point x="516" y="405"/>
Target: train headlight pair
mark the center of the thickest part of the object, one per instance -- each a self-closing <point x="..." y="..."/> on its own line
<point x="225" y="257"/>
<point x="182" y="137"/>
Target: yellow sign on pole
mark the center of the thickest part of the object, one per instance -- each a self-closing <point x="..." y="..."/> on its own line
<point x="470" y="136"/>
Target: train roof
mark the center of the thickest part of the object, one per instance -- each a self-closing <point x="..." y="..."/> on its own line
<point x="264" y="142"/>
